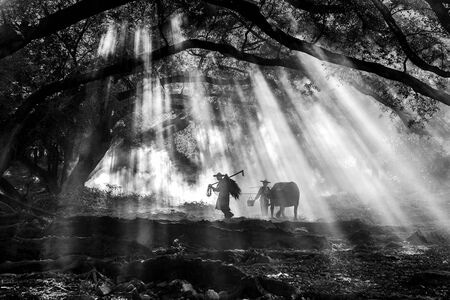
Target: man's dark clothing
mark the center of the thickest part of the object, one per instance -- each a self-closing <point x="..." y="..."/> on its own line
<point x="223" y="201"/>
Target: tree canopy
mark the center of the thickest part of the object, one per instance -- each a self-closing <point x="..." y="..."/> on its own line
<point x="51" y="65"/>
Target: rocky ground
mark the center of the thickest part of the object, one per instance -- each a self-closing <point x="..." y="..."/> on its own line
<point x="88" y="257"/>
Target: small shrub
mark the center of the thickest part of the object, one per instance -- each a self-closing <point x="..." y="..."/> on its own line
<point x="95" y="201"/>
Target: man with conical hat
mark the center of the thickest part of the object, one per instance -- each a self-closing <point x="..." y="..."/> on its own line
<point x="263" y="195"/>
<point x="225" y="187"/>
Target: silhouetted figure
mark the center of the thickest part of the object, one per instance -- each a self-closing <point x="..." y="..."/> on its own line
<point x="263" y="195"/>
<point x="225" y="187"/>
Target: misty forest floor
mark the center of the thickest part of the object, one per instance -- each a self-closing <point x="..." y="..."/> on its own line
<point x="86" y="257"/>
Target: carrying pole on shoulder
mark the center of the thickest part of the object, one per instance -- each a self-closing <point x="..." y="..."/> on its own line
<point x="209" y="190"/>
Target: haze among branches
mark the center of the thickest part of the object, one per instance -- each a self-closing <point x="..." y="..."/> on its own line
<point x="64" y="102"/>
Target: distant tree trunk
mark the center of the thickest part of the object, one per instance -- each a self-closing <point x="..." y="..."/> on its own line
<point x="67" y="158"/>
<point x="87" y="162"/>
<point x="8" y="142"/>
<point x="91" y="153"/>
<point x="53" y="161"/>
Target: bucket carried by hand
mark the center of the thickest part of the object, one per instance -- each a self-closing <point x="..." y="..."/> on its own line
<point x="250" y="201"/>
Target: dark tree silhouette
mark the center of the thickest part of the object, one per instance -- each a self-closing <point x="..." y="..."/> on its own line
<point x="49" y="62"/>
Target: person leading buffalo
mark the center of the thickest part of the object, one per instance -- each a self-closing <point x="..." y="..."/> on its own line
<point x="263" y="195"/>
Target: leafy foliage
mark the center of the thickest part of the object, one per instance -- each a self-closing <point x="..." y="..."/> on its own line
<point x="62" y="123"/>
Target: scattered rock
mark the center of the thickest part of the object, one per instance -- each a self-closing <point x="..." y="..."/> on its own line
<point x="145" y="296"/>
<point x="279" y="288"/>
<point x="132" y="286"/>
<point x="211" y="295"/>
<point x="176" y="289"/>
<point x="138" y="284"/>
<point x="187" y="288"/>
<point x="223" y="295"/>
<point x="105" y="288"/>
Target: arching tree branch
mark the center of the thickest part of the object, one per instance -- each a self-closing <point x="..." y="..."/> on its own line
<point x="316" y="8"/>
<point x="136" y="65"/>
<point x="251" y="12"/>
<point x="15" y="124"/>
<point x="12" y="40"/>
<point x="401" y="38"/>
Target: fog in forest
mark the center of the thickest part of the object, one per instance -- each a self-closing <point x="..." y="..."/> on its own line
<point x="350" y="157"/>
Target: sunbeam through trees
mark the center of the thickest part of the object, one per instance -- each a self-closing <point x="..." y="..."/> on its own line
<point x="256" y="149"/>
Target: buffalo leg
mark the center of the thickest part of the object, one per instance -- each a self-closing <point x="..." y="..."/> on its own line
<point x="280" y="212"/>
<point x="295" y="212"/>
<point x="271" y="210"/>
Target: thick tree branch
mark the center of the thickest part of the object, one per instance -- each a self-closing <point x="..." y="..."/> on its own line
<point x="206" y="79"/>
<point x="126" y="66"/>
<point x="131" y="65"/>
<point x="185" y="78"/>
<point x="315" y="8"/>
<point x="11" y="40"/>
<point x="401" y="38"/>
<point x="135" y="65"/>
<point x="251" y="12"/>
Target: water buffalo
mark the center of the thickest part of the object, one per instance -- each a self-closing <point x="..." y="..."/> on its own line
<point x="284" y="194"/>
